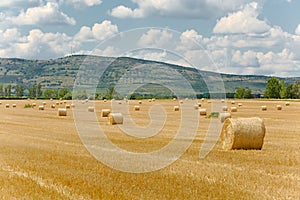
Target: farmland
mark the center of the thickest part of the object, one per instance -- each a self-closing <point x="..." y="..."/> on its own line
<point x="42" y="157"/>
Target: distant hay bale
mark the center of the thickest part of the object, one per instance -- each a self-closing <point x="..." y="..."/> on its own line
<point x="149" y="100"/>
<point x="196" y="107"/>
<point x="91" y="109"/>
<point x="119" y="102"/>
<point x="240" y="104"/>
<point x="61" y="102"/>
<point x="202" y="112"/>
<point x="287" y="103"/>
<point x="232" y="102"/>
<point x="174" y="99"/>
<point x="140" y="102"/>
<point x="202" y="99"/>
<point x="51" y="99"/>
<point x="44" y="103"/>
<point x="62" y="112"/>
<point x="222" y="100"/>
<point x="105" y="112"/>
<point x="41" y="107"/>
<point x="33" y="104"/>
<point x="176" y="108"/>
<point x="224" y="108"/>
<point x="137" y="108"/>
<point x="6" y="105"/>
<point x="199" y="105"/>
<point x="224" y="116"/>
<point x="233" y="109"/>
<point x="87" y="100"/>
<point x="73" y="105"/>
<point x="0" y="103"/>
<point x="209" y="101"/>
<point x="279" y="107"/>
<point x="53" y="106"/>
<point x="65" y="102"/>
<point x="14" y="105"/>
<point x="264" y="108"/>
<point x="115" y="118"/>
<point x="243" y="133"/>
<point x="68" y="106"/>
<point x="181" y="101"/>
<point x="153" y="99"/>
<point x="57" y="103"/>
<point x="104" y="100"/>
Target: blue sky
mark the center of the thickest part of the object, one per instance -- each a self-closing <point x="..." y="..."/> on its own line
<point x="240" y="36"/>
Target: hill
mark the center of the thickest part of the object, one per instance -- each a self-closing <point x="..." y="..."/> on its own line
<point x="61" y="72"/>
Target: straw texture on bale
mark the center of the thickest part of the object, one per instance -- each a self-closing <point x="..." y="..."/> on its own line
<point x="6" y="105"/>
<point x="279" y="107"/>
<point x="224" y="108"/>
<point x="233" y="109"/>
<point x="105" y="112"/>
<point x="62" y="112"/>
<point x="202" y="112"/>
<point x="224" y="116"/>
<point x="243" y="133"/>
<point x="137" y="108"/>
<point x="41" y="108"/>
<point x="264" y="108"/>
<point x="91" y="109"/>
<point x="115" y="118"/>
<point x="176" y="108"/>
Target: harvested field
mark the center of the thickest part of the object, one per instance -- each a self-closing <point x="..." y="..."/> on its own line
<point x="42" y="156"/>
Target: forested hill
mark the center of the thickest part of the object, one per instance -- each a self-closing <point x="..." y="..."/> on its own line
<point x="61" y="72"/>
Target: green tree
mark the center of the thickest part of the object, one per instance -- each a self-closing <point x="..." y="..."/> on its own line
<point x="248" y="94"/>
<point x="19" y="90"/>
<point x="39" y="92"/>
<point x="1" y="90"/>
<point x="240" y="93"/>
<point x="32" y="91"/>
<point x="273" y="88"/>
<point x="282" y="89"/>
<point x="7" y="91"/>
<point x="289" y="91"/>
<point x="62" y="92"/>
<point x="50" y="94"/>
<point x="296" y="90"/>
<point x="110" y="93"/>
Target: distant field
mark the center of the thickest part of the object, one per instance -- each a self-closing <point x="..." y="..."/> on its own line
<point x="42" y="157"/>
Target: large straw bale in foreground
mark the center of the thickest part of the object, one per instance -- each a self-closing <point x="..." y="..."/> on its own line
<point x="243" y="133"/>
<point x="105" y="112"/>
<point x="224" y="116"/>
<point x="115" y="118"/>
<point x="62" y="112"/>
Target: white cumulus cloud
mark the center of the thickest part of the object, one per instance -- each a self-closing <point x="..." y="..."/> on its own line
<point x="49" y="14"/>
<point x="243" y="21"/>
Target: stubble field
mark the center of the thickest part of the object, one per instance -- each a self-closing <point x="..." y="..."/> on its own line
<point x="42" y="157"/>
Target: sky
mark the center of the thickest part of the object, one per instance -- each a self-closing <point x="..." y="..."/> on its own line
<point x="255" y="37"/>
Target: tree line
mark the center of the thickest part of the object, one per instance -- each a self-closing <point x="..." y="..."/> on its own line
<point x="275" y="89"/>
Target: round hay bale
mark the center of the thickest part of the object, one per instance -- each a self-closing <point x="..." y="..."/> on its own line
<point x="14" y="105"/>
<point x="199" y="105"/>
<point x="209" y="101"/>
<point x="41" y="107"/>
<point x="149" y="100"/>
<point x="53" y="106"/>
<point x="287" y="103"/>
<point x="140" y="102"/>
<point x="202" y="99"/>
<point x="115" y="118"/>
<point x="65" y="102"/>
<point x="68" y="106"/>
<point x="119" y="102"/>
<point x="232" y="102"/>
<point x="224" y="108"/>
<point x="61" y="102"/>
<point x="196" y="107"/>
<point x="51" y="99"/>
<point x="57" y="103"/>
<point x="33" y="104"/>
<point x="0" y="103"/>
<point x="264" y="108"/>
<point x="279" y="107"/>
<point x="176" y="108"/>
<point x="174" y="99"/>
<point x="62" y="112"/>
<point x="243" y="133"/>
<point x="136" y="108"/>
<point x="153" y="99"/>
<point x="233" y="109"/>
<point x="6" y="105"/>
<point x="224" y="116"/>
<point x="104" y="100"/>
<point x="91" y="109"/>
<point x="73" y="105"/>
<point x="202" y="112"/>
<point x="44" y="103"/>
<point x="240" y="104"/>
<point x="105" y="112"/>
<point x="222" y="100"/>
<point x="181" y="101"/>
